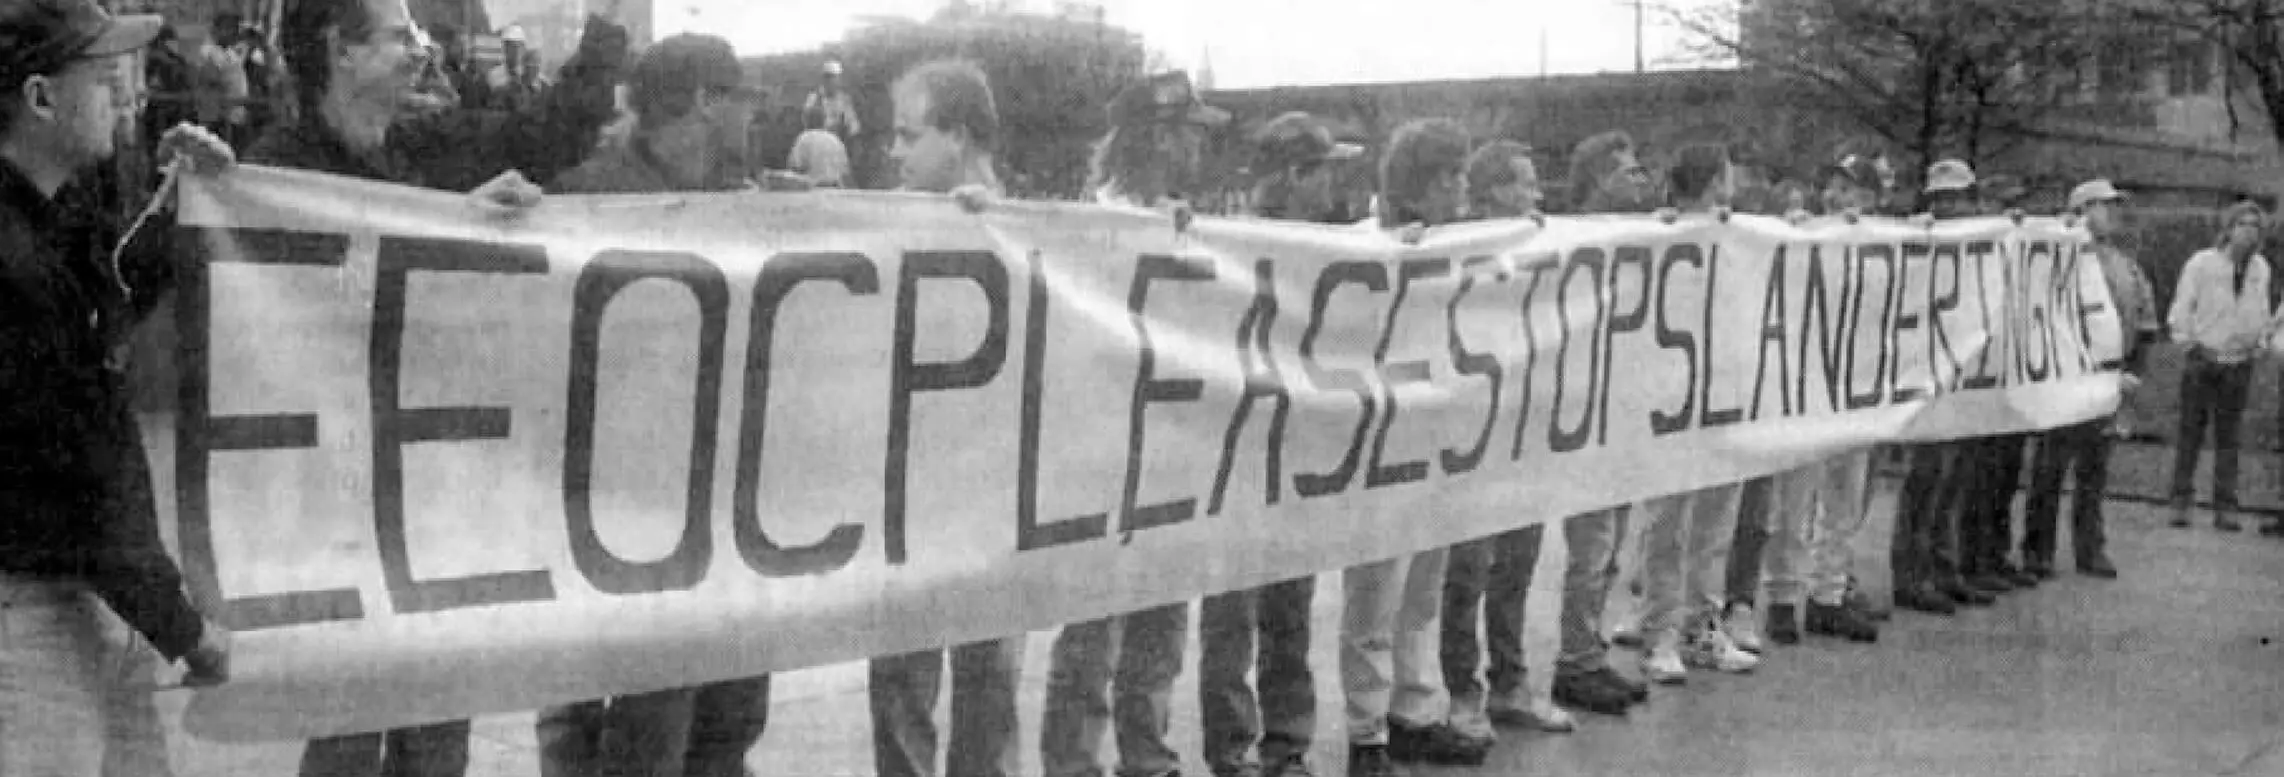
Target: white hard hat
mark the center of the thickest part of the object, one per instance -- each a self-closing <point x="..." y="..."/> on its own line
<point x="513" y="33"/>
<point x="832" y="67"/>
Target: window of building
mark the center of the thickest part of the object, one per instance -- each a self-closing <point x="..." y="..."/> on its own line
<point x="2191" y="69"/>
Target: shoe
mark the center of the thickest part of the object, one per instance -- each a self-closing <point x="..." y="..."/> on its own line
<point x="1438" y="744"/>
<point x="1743" y="627"/>
<point x="1992" y="583"/>
<point x="1629" y="635"/>
<point x="1862" y="602"/>
<point x="1784" y="624"/>
<point x="1541" y="715"/>
<point x="2039" y="568"/>
<point x="1839" y="621"/>
<point x="1967" y="595"/>
<point x="1714" y="650"/>
<point x="1663" y="664"/>
<point x="2180" y="517"/>
<point x="2019" y="578"/>
<point x="1292" y="765"/>
<point x="2225" y="522"/>
<point x="2274" y="528"/>
<point x="1588" y="692"/>
<point x="2098" y="566"/>
<point x="1372" y="761"/>
<point x="1927" y="599"/>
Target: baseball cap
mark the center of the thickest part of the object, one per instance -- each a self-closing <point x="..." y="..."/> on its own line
<point x="686" y="63"/>
<point x="513" y="33"/>
<point x="37" y="36"/>
<point x="1950" y="175"/>
<point x="1167" y="98"/>
<point x="1298" y="138"/>
<point x="2097" y="190"/>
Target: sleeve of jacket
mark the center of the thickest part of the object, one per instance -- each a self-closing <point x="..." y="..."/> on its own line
<point x="133" y="573"/>
<point x="462" y="149"/>
<point x="2182" y="313"/>
<point x="149" y="256"/>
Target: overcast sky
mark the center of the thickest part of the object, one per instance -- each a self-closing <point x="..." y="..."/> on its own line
<point x="1256" y="43"/>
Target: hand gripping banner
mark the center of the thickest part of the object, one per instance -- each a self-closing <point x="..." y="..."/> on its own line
<point x="432" y="463"/>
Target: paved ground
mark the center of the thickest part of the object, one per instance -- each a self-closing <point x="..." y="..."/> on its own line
<point x="2176" y="669"/>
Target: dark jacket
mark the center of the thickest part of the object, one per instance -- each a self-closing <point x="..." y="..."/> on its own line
<point x="75" y="489"/>
<point x="630" y="167"/>
<point x="458" y="150"/>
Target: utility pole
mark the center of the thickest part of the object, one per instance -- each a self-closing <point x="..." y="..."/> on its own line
<point x="1638" y="27"/>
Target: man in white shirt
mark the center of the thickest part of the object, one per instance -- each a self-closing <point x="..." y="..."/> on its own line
<point x="818" y="153"/>
<point x="2221" y="312"/>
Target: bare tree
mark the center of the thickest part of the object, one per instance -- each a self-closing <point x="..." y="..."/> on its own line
<point x="2249" y="32"/>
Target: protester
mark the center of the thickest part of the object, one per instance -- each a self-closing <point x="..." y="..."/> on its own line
<point x="351" y="122"/>
<point x="1397" y="707"/>
<point x="835" y="102"/>
<point x="168" y="85"/>
<point x="1292" y="153"/>
<point x="2221" y="312"/>
<point x="222" y="88"/>
<point x="1152" y="153"/>
<point x="818" y="153"/>
<point x="1488" y="580"/>
<point x="2081" y="451"/>
<point x="1603" y="174"/>
<point x="689" y="136"/>
<point x="946" y="126"/>
<point x="513" y="84"/>
<point x="85" y="581"/>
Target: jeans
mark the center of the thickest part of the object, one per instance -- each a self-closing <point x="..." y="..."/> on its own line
<point x="2081" y="452"/>
<point x="1592" y="539"/>
<point x="1284" y="719"/>
<point x="1991" y="476"/>
<point x="1086" y="695"/>
<point x="704" y="731"/>
<point x="1686" y="563"/>
<point x="2212" y="397"/>
<point x="1488" y="580"/>
<point x="438" y="750"/>
<point x="1388" y="664"/>
<point x="74" y="687"/>
<point x="1755" y="503"/>
<point x="1924" y="552"/>
<point x="904" y="689"/>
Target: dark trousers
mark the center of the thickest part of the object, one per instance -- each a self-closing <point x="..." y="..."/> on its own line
<point x="1265" y="630"/>
<point x="1753" y="506"/>
<point x="1488" y="580"/>
<point x="2083" y="453"/>
<point x="1925" y="549"/>
<point x="1989" y="475"/>
<point x="2212" y="397"/>
<point x="439" y="750"/>
<point x="704" y="731"/>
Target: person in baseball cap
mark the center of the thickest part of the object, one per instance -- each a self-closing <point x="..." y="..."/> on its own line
<point x="39" y="37"/>
<point x="1293" y="181"/>
<point x="2099" y="190"/>
<point x="1950" y="189"/>
<point x="1156" y="143"/>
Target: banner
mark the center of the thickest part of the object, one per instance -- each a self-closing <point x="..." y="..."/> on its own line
<point x="430" y="463"/>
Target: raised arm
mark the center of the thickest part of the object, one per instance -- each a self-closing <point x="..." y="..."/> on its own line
<point x="462" y="149"/>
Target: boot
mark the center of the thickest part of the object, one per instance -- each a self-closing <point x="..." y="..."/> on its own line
<point x="1926" y="598"/>
<point x="1839" y="621"/>
<point x="1784" y="624"/>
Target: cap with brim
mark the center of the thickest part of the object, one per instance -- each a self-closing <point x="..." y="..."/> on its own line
<point x="1950" y="175"/>
<point x="2097" y="190"/>
<point x="37" y="36"/>
<point x="1167" y="98"/>
<point x="1298" y="138"/>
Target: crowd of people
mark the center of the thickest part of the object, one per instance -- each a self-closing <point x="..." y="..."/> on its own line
<point x="1430" y="645"/>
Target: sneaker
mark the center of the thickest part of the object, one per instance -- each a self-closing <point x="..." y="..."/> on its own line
<point x="1372" y="761"/>
<point x="1743" y="627"/>
<point x="1292" y="765"/>
<point x="1714" y="650"/>
<point x="1437" y="743"/>
<point x="1839" y="621"/>
<point x="1784" y="624"/>
<point x="1663" y="664"/>
<point x="1627" y="635"/>
<point x="1584" y="691"/>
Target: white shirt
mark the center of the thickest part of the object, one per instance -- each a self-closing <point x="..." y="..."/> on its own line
<point x="2211" y="311"/>
<point x="821" y="156"/>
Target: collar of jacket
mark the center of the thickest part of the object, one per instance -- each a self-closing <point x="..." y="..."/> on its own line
<point x="17" y="193"/>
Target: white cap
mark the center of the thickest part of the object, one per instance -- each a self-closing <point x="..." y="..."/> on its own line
<point x="513" y="33"/>
<point x="1950" y="175"/>
<point x="832" y="67"/>
<point x="2097" y="190"/>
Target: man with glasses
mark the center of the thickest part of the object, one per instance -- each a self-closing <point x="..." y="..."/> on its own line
<point x="85" y="583"/>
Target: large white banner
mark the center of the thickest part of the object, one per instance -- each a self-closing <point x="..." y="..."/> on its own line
<point x="430" y="463"/>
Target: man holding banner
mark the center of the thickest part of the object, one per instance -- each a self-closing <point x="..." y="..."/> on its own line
<point x="84" y="578"/>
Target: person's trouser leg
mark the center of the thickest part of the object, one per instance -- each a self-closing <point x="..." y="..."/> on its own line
<point x="1972" y="485"/>
<point x="1287" y="686"/>
<point x="1916" y="506"/>
<point x="2059" y="450"/>
<point x="1592" y="539"/>
<point x="350" y="755"/>
<point x="903" y="690"/>
<point x="570" y="739"/>
<point x="646" y="734"/>
<point x="434" y="750"/>
<point x="726" y="720"/>
<point x="1792" y="512"/>
<point x="1465" y="580"/>
<point x="1078" y="699"/>
<point x="2088" y="536"/>
<point x="1371" y="594"/>
<point x="134" y="740"/>
<point x="1940" y="541"/>
<point x="1712" y="526"/>
<point x="73" y="695"/>
<point x="1150" y="646"/>
<point x="985" y="730"/>
<point x="1757" y="501"/>
<point x="1419" y="697"/>
<point x="1842" y="512"/>
<point x="2198" y="395"/>
<point x="1515" y="557"/>
<point x="1665" y="565"/>
<point x="1227" y="711"/>
<point x="2233" y="385"/>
